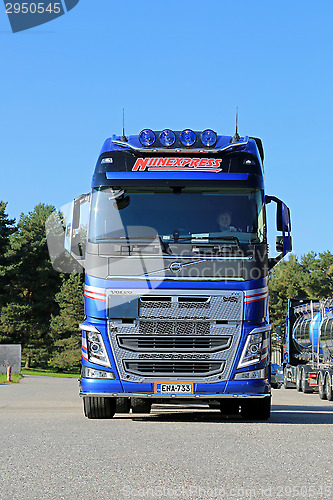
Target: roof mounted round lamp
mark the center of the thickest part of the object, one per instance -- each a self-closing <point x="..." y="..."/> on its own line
<point x="187" y="137"/>
<point x="208" y="138"/>
<point x="147" y="137"/>
<point x="167" y="137"/>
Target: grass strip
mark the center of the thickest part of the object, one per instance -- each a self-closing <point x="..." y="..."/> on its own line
<point x="16" y="377"/>
<point x="48" y="373"/>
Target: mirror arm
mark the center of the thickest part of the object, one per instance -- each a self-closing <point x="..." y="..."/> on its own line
<point x="272" y="261"/>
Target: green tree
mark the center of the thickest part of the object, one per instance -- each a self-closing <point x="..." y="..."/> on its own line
<point x="319" y="274"/>
<point x="64" y="326"/>
<point x="7" y="228"/>
<point x="286" y="281"/>
<point x="309" y="277"/>
<point x="31" y="287"/>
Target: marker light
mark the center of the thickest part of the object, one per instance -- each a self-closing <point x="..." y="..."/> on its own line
<point x="167" y="137"/>
<point x="187" y="137"/>
<point x="208" y="138"/>
<point x="147" y="137"/>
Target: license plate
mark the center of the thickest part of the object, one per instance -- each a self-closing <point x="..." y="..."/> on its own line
<point x="173" y="388"/>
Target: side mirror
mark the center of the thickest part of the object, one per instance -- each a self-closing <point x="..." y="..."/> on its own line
<point x="283" y="224"/>
<point x="279" y="243"/>
<point x="76" y="227"/>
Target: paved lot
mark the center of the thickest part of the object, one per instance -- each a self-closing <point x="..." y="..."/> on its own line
<point x="49" y="450"/>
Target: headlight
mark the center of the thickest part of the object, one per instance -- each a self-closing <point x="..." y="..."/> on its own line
<point x="252" y="352"/>
<point x="96" y="349"/>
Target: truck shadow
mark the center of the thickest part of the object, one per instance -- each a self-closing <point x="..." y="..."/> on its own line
<point x="280" y="414"/>
<point x="297" y="414"/>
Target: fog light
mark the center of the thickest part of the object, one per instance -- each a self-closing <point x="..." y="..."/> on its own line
<point x="92" y="373"/>
<point x="147" y="137"/>
<point x="187" y="137"/>
<point x="167" y="137"/>
<point x="255" y="374"/>
<point x="208" y="138"/>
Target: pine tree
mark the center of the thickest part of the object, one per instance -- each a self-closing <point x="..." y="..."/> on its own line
<point x="64" y="326"/>
<point x="31" y="287"/>
<point x="309" y="277"/>
<point x="6" y="229"/>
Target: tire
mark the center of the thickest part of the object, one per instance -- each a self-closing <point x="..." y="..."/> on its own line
<point x="140" y="405"/>
<point x="328" y="386"/>
<point x="123" y="405"/>
<point x="256" y="409"/>
<point x="304" y="383"/>
<point x="98" y="407"/>
<point x="229" y="407"/>
<point x="298" y="379"/>
<point x="286" y="384"/>
<point x="321" y="385"/>
<point x="214" y="405"/>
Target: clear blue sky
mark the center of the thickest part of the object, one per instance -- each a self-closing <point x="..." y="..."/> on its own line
<point x="172" y="64"/>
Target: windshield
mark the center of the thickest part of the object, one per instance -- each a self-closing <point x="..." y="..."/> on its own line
<point x="177" y="214"/>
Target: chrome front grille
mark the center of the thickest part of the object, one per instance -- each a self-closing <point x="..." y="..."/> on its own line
<point x="183" y="334"/>
<point x="229" y="306"/>
<point x="161" y="343"/>
<point x="175" y="327"/>
<point x="173" y="368"/>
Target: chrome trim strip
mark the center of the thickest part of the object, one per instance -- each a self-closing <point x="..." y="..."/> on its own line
<point x="169" y="396"/>
<point x="172" y="257"/>
<point x="180" y="150"/>
<point x="173" y="278"/>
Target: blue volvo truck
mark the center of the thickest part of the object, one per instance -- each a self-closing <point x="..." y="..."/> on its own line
<point x="176" y="274"/>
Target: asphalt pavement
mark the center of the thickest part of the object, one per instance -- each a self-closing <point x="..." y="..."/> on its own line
<point x="49" y="450"/>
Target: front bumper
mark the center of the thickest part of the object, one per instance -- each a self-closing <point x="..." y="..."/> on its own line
<point x="233" y="389"/>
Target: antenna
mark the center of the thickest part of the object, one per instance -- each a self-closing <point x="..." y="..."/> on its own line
<point x="236" y="137"/>
<point x="123" y="137"/>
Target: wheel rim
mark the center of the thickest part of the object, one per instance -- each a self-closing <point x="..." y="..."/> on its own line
<point x="321" y="386"/>
<point x="328" y="385"/>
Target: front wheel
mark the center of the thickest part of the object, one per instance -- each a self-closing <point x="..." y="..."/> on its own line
<point x="256" y="409"/>
<point x="140" y="405"/>
<point x="123" y="405"/>
<point x="229" y="407"/>
<point x="97" y="407"/>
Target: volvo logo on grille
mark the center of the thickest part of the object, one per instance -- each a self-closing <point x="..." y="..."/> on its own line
<point x="175" y="267"/>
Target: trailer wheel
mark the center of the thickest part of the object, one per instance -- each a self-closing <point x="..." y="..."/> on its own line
<point x="98" y="407"/>
<point x="256" y="409"/>
<point x="328" y="386"/>
<point x="321" y="385"/>
<point x="286" y="384"/>
<point x="304" y="383"/>
<point x="140" y="405"/>
<point x="298" y="379"/>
